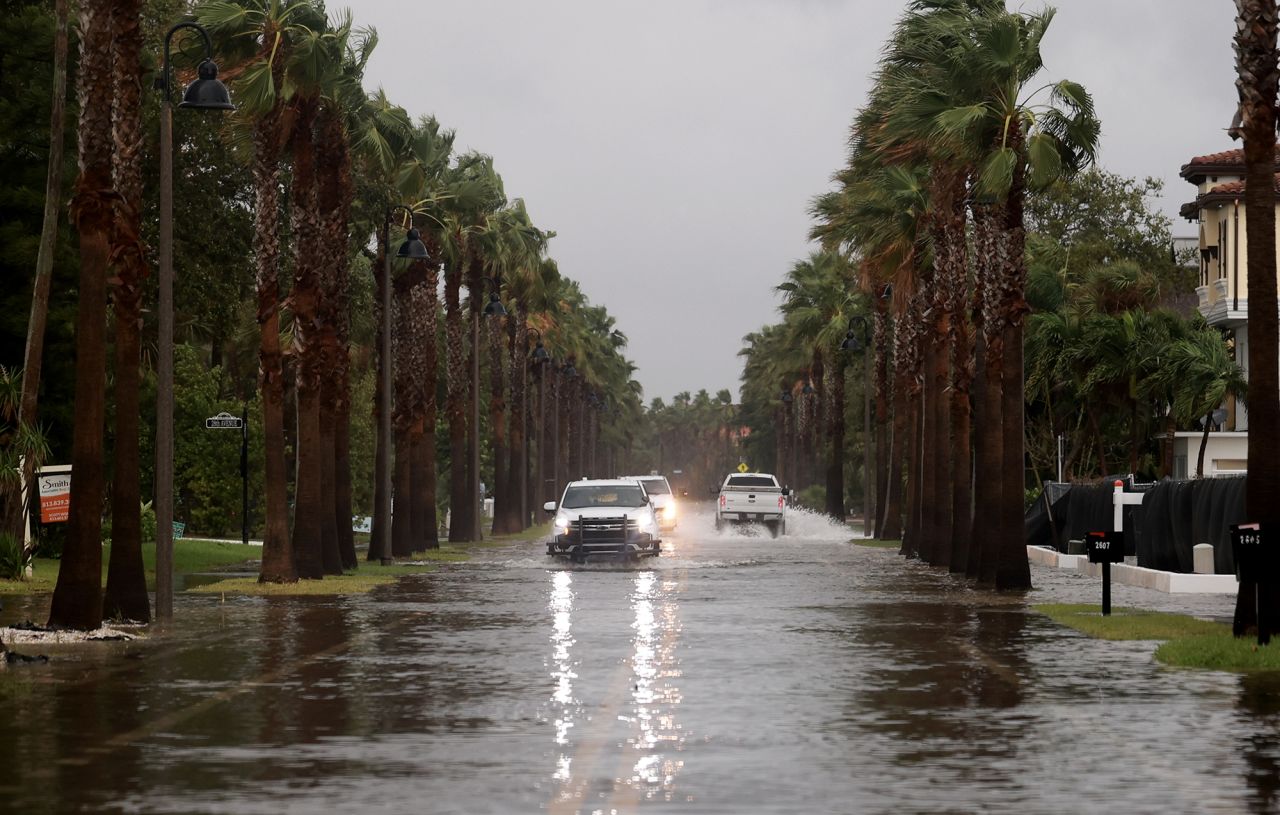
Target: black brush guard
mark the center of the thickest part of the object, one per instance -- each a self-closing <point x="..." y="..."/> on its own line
<point x="616" y="537"/>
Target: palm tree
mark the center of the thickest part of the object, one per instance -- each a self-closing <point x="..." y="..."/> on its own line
<point x="77" y="598"/>
<point x="261" y="37"/>
<point x="1257" y="82"/>
<point x="816" y="311"/>
<point x="463" y="262"/>
<point x="1016" y="142"/>
<point x="1205" y="374"/>
<point x="33" y="359"/>
<point x="126" y="592"/>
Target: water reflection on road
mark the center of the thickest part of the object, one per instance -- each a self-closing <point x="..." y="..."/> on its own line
<point x="734" y="674"/>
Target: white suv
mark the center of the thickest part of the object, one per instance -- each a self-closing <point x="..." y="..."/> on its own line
<point x="603" y="517"/>
<point x="663" y="499"/>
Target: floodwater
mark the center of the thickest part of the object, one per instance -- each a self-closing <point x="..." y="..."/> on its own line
<point x="735" y="674"/>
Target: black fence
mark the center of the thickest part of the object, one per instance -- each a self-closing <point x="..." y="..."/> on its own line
<point x="1174" y="516"/>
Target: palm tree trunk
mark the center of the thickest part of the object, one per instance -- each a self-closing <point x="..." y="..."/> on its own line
<point x="986" y="399"/>
<point x="1013" y="571"/>
<point x="884" y="433"/>
<point x="33" y="359"/>
<point x="518" y="517"/>
<point x="502" y="481"/>
<point x="461" y="513"/>
<point x="126" y="591"/>
<point x="835" y="434"/>
<point x="307" y="281"/>
<point x="342" y="511"/>
<point x="382" y="452"/>
<point x="426" y="309"/>
<point x="77" y="598"/>
<point x="1258" y="80"/>
<point x="402" y="495"/>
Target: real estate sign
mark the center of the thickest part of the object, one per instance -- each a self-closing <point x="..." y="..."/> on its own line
<point x="55" y="493"/>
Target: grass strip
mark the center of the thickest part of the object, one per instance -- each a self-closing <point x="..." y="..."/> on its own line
<point x="189" y="555"/>
<point x="359" y="581"/>
<point x="874" y="543"/>
<point x="1220" y="653"/>
<point x="1129" y="623"/>
<point x="1188" y="642"/>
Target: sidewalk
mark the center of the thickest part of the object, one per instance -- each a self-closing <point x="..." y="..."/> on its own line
<point x="1131" y="575"/>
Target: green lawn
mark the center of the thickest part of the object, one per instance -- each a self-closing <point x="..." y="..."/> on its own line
<point x="363" y="579"/>
<point x="873" y="543"/>
<point x="189" y="555"/>
<point x="1188" y="642"/>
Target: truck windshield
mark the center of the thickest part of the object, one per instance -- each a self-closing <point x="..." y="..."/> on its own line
<point x="750" y="481"/>
<point x="603" y="496"/>
<point x="656" y="486"/>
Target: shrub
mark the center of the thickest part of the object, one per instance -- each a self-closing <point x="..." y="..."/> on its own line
<point x="813" y="498"/>
<point x="14" y="558"/>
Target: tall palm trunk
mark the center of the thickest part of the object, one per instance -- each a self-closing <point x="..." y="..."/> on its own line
<point x="278" y="564"/>
<point x="1013" y="571"/>
<point x="834" y="388"/>
<point x="887" y="489"/>
<point x="1257" y="84"/>
<point x="77" y="598"/>
<point x="33" y="359"/>
<point x="461" y="511"/>
<point x="382" y="451"/>
<point x="333" y="195"/>
<point x="502" y="482"/>
<point x="426" y="310"/>
<point x="311" y="556"/>
<point x="518" y="517"/>
<point x="988" y="409"/>
<point x="126" y="591"/>
<point x="403" y="417"/>
<point x="951" y="259"/>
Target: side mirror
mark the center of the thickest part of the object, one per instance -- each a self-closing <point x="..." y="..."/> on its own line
<point x="786" y="491"/>
<point x="714" y="490"/>
<point x="549" y="506"/>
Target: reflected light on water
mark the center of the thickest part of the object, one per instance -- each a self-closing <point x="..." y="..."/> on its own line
<point x="561" y="605"/>
<point x="654" y="693"/>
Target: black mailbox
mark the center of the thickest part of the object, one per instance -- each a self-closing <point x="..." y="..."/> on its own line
<point x="1105" y="547"/>
<point x="1253" y="551"/>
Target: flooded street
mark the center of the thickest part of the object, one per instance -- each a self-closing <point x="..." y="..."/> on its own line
<point x="735" y="674"/>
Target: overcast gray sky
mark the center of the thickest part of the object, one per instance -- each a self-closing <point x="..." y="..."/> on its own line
<point x="674" y="145"/>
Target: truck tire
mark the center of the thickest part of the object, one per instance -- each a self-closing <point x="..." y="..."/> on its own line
<point x="773" y="527"/>
<point x="719" y="523"/>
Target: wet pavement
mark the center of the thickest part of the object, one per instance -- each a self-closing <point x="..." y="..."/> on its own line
<point x="735" y="674"/>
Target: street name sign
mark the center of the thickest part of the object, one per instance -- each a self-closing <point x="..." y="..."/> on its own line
<point x="222" y="421"/>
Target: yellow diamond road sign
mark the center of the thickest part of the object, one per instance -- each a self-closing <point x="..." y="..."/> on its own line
<point x="742" y="468"/>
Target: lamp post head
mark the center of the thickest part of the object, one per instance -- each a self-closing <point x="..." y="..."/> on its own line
<point x="850" y="342"/>
<point x="569" y="370"/>
<point x="413" y="247"/>
<point x="540" y="355"/>
<point x="808" y="387"/>
<point x="207" y="92"/>
<point x="786" y="397"/>
<point x="494" y="307"/>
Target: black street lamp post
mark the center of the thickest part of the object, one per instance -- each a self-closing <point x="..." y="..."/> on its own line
<point x="206" y="93"/>
<point x="858" y="338"/>
<point x="414" y="248"/>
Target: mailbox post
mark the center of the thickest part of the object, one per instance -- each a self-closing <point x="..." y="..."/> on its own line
<point x="1105" y="548"/>
<point x="1253" y="550"/>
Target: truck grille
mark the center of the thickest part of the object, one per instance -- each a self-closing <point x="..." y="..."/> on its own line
<point x="601" y="535"/>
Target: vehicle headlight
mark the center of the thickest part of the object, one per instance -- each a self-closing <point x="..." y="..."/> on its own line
<point x="562" y="524"/>
<point x="647" y="525"/>
<point x="669" y="511"/>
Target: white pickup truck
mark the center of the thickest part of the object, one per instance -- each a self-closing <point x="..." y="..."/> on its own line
<point x="753" y="498"/>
